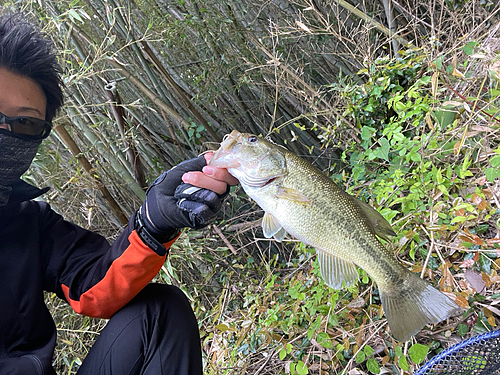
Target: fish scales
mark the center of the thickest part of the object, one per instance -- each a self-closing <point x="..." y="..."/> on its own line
<point x="299" y="199"/>
<point x="328" y="204"/>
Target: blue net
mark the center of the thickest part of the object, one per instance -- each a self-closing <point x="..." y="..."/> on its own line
<point x="479" y="355"/>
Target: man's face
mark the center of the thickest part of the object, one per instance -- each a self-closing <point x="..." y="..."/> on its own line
<point x="20" y="96"/>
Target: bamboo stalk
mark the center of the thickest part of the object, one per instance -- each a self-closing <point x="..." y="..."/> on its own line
<point x="132" y="154"/>
<point x="180" y="92"/>
<point x="371" y="21"/>
<point x="75" y="150"/>
<point x="119" y="164"/>
<point x="152" y="96"/>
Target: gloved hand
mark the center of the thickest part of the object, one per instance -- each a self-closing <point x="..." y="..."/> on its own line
<point x="172" y="204"/>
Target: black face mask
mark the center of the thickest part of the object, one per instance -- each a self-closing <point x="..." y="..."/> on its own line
<point x="16" y="155"/>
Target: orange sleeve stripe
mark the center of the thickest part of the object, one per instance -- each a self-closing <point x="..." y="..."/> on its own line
<point x="126" y="277"/>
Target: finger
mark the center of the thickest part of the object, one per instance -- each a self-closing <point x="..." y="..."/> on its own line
<point x="206" y="182"/>
<point x="220" y="174"/>
<point x="208" y="156"/>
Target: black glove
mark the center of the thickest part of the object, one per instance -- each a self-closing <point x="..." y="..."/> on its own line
<point x="172" y="204"/>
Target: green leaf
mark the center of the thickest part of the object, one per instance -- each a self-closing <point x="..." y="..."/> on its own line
<point x="485" y="264"/>
<point x="495" y="161"/>
<point x="372" y="366"/>
<point x="282" y="354"/>
<point x="222" y="327"/>
<point x="403" y="363"/>
<point x="418" y="352"/>
<point x="383" y="151"/>
<point x="301" y="368"/>
<point x="368" y="350"/>
<point x="399" y="351"/>
<point x="366" y="133"/>
<point x="360" y="357"/>
<point x="469" y="48"/>
<point x="74" y="14"/>
<point x="324" y="340"/>
<point x="444" y="116"/>
<point x="439" y="63"/>
<point x="462" y="329"/>
<point x="491" y="174"/>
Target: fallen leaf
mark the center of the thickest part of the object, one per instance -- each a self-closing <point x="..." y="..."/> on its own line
<point x="462" y="302"/>
<point x="434" y="84"/>
<point x="491" y="321"/>
<point x="356" y="304"/>
<point x="467" y="263"/>
<point x="475" y="280"/>
<point x="457" y="147"/>
<point x="303" y="27"/>
<point x="492" y="309"/>
<point x="486" y="278"/>
<point x="456" y="73"/>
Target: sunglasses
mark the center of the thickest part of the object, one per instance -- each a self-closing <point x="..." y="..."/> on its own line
<point x="26" y="127"/>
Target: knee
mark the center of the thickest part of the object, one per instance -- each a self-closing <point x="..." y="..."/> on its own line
<point x="166" y="300"/>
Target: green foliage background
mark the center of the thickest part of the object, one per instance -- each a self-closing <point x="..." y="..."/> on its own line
<point x="407" y="123"/>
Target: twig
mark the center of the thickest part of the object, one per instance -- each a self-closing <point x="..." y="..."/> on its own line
<point x="405" y="352"/>
<point x="266" y="362"/>
<point x="426" y="260"/>
<point x="365" y="343"/>
<point x="433" y="243"/>
<point x="228" y="244"/>
<point x="244" y="226"/>
<point x="473" y="104"/>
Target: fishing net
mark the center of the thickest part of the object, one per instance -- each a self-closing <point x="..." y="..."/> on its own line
<point x="479" y="355"/>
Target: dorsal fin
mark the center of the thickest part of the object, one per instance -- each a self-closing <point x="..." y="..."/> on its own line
<point x="378" y="224"/>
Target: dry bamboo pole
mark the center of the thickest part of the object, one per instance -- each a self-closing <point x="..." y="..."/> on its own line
<point x="160" y="88"/>
<point x="389" y="15"/>
<point x="118" y="163"/>
<point x="371" y="21"/>
<point x="132" y="154"/>
<point x="183" y="96"/>
<point x="172" y="113"/>
<point x="121" y="26"/>
<point x="75" y="150"/>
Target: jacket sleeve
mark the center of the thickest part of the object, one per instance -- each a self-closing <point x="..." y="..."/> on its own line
<point x="96" y="278"/>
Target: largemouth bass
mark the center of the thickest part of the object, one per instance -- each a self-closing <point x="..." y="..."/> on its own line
<point x="299" y="199"/>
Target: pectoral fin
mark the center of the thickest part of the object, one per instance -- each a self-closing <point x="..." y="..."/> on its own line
<point x="291" y="194"/>
<point x="335" y="270"/>
<point x="271" y="227"/>
<point x="377" y="222"/>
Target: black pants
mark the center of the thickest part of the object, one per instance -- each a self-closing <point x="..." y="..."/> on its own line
<point x="156" y="333"/>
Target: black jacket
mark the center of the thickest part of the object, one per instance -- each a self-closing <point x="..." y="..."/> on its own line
<point x="39" y="251"/>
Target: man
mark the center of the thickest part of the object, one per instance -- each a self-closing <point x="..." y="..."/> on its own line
<point x="152" y="329"/>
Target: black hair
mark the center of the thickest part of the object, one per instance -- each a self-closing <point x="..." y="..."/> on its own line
<point x="26" y="51"/>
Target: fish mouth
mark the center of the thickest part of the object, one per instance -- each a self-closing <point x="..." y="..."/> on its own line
<point x="228" y="156"/>
<point x="223" y="157"/>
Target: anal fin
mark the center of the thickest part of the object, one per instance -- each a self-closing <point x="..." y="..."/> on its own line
<point x="335" y="270"/>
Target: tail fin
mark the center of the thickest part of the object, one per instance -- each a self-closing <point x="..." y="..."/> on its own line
<point x="415" y="304"/>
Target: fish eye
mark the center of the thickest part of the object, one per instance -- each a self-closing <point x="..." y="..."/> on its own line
<point x="252" y="139"/>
